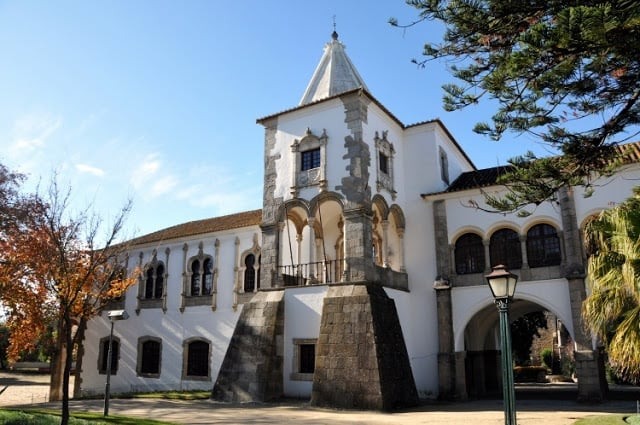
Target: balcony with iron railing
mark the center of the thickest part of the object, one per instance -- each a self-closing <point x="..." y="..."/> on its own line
<point x="321" y="272"/>
<point x="331" y="271"/>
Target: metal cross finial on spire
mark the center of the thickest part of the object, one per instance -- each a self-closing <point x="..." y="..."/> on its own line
<point x="335" y="34"/>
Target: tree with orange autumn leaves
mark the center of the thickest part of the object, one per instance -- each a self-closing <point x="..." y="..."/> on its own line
<point x="59" y="267"/>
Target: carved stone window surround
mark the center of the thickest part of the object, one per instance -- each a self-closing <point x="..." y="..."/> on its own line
<point x="314" y="176"/>
<point x="384" y="160"/>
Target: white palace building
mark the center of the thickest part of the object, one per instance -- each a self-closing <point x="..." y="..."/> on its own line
<point x="360" y="282"/>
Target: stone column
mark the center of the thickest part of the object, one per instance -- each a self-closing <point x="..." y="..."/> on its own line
<point x="448" y="379"/>
<point x="460" y="375"/>
<point x="385" y="243"/>
<point x="400" y="231"/>
<point x="589" y="364"/>
<point x="487" y="254"/>
<point x="312" y="249"/>
<point x="446" y="356"/>
<point x="299" y="252"/>
<point x="358" y="243"/>
<point x="523" y="248"/>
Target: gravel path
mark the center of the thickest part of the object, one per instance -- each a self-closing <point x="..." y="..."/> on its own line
<point x="27" y="389"/>
<point x="24" y="388"/>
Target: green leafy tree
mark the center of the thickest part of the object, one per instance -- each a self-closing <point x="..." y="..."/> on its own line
<point x="612" y="310"/>
<point x="58" y="269"/>
<point x="523" y="330"/>
<point x="565" y="71"/>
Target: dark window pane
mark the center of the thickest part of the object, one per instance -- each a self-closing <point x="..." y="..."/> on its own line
<point x="504" y="248"/>
<point x="148" y="286"/>
<point x="115" y="353"/>
<point x="195" y="277"/>
<point x="384" y="162"/>
<point x="150" y="357"/>
<point x="543" y="246"/>
<point x="310" y="159"/>
<point x="249" y="273"/>
<point x="198" y="359"/>
<point x="469" y="254"/>
<point x="159" y="281"/>
<point x="208" y="277"/>
<point x="307" y="358"/>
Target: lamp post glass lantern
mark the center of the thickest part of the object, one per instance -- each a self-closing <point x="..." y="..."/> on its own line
<point x="503" y="286"/>
<point x="114" y="316"/>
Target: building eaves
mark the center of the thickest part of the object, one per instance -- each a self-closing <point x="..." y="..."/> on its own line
<point x="198" y="227"/>
<point x="360" y="90"/>
<point x="628" y="153"/>
<point x="364" y="92"/>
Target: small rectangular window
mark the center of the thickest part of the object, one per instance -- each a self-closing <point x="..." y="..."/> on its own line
<point x="304" y="359"/>
<point x="384" y="162"/>
<point x="104" y="354"/>
<point x="444" y="166"/>
<point x="310" y="159"/>
<point x="307" y="358"/>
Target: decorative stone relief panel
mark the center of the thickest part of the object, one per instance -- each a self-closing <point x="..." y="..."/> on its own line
<point x="308" y="172"/>
<point x="384" y="161"/>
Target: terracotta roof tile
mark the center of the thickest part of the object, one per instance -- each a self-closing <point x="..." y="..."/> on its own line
<point x="629" y="153"/>
<point x="478" y="178"/>
<point x="208" y="225"/>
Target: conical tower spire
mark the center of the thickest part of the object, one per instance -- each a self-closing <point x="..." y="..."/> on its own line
<point x="334" y="74"/>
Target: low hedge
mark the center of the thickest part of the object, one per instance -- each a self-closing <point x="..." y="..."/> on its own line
<point x="530" y="374"/>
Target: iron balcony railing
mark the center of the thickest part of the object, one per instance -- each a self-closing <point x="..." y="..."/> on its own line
<point x="329" y="271"/>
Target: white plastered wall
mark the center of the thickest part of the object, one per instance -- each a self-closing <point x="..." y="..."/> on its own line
<point x="172" y="326"/>
<point x="302" y="312"/>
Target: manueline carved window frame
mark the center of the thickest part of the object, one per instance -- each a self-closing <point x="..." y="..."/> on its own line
<point x="314" y="176"/>
<point x="240" y="296"/>
<point x="188" y="299"/>
<point x="156" y="302"/>
<point x="385" y="180"/>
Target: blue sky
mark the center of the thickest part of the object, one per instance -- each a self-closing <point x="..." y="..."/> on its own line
<point x="157" y="100"/>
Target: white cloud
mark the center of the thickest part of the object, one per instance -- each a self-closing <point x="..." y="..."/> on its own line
<point x="88" y="169"/>
<point x="146" y="171"/>
<point x="164" y="185"/>
<point x="30" y="134"/>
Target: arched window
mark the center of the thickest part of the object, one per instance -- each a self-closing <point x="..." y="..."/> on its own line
<point x="154" y="281"/>
<point x="195" y="277"/>
<point x="149" y="356"/>
<point x="543" y="246"/>
<point x="197" y="358"/>
<point x="104" y="354"/>
<point x="249" y="273"/>
<point x="504" y="248"/>
<point x="207" y="277"/>
<point x="159" y="281"/>
<point x="469" y="254"/>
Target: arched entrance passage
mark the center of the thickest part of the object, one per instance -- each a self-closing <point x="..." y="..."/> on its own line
<point x="310" y="249"/>
<point x="482" y="372"/>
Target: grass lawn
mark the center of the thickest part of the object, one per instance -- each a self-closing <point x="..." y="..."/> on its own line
<point x="609" y="420"/>
<point x="171" y="395"/>
<point x="52" y="417"/>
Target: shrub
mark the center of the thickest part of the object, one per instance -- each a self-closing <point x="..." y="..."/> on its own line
<point x="530" y="374"/>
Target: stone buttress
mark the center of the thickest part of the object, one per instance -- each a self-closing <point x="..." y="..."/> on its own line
<point x="252" y="367"/>
<point x="361" y="357"/>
